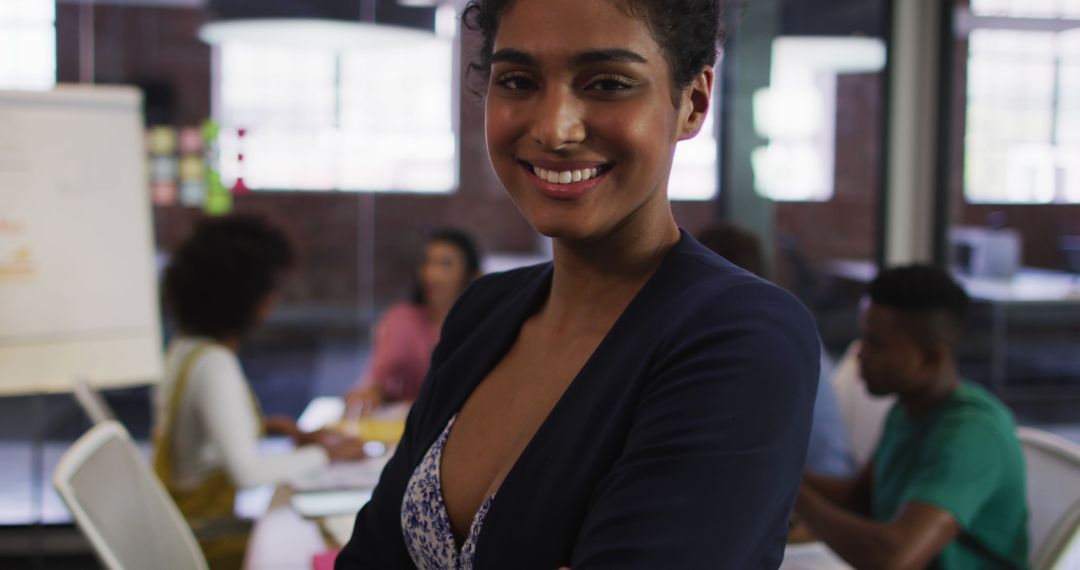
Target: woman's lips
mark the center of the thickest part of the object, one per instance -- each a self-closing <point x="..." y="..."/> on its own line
<point x="565" y="182"/>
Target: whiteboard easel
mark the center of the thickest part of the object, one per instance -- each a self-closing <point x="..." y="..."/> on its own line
<point x="78" y="286"/>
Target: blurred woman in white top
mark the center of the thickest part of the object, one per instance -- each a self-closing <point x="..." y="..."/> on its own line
<point x="224" y="281"/>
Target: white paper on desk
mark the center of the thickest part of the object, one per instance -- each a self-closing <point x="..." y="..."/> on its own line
<point x="316" y="504"/>
<point x="327" y="411"/>
<point x="321" y="412"/>
<point x="362" y="474"/>
<point x="812" y="556"/>
<point x="339" y="527"/>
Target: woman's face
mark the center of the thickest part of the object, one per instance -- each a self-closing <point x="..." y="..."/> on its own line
<point x="581" y="128"/>
<point x="442" y="273"/>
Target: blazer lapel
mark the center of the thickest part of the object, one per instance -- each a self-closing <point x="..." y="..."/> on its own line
<point x="488" y="341"/>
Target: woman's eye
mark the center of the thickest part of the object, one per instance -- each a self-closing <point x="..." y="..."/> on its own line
<point x="610" y="84"/>
<point x="514" y="82"/>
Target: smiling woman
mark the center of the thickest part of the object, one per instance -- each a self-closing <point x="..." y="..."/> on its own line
<point x="639" y="402"/>
<point x="583" y="97"/>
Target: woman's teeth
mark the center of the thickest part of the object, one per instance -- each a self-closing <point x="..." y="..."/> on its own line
<point x="565" y="176"/>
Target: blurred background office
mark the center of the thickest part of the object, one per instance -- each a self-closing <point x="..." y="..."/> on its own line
<point x="847" y="134"/>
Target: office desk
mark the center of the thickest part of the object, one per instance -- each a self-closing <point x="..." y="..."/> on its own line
<point x="282" y="539"/>
<point x="1028" y="286"/>
<point x="1029" y="290"/>
<point x="811" y="556"/>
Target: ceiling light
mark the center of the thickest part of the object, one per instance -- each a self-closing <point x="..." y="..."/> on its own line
<point x="840" y="54"/>
<point x="312" y="33"/>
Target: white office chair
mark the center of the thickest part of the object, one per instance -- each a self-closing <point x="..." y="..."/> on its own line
<point x="92" y="403"/>
<point x="120" y="505"/>
<point x="1061" y="550"/>
<point x="1053" y="494"/>
<point x="863" y="413"/>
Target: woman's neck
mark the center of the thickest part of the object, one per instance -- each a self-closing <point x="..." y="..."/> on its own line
<point x="436" y="312"/>
<point x="596" y="279"/>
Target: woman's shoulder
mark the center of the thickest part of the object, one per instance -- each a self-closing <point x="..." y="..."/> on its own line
<point x="704" y="290"/>
<point x="208" y="361"/>
<point x="690" y="255"/>
<point x="211" y="369"/>
<point x="706" y="314"/>
<point x="704" y="273"/>
<point x="204" y="351"/>
<point x="404" y="311"/>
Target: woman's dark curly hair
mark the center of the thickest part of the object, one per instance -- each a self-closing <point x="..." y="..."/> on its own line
<point x="218" y="277"/>
<point x="688" y="31"/>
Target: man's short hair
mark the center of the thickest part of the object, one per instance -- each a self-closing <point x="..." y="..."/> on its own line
<point x="932" y="302"/>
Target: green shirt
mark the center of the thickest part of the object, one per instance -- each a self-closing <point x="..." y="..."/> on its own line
<point x="963" y="457"/>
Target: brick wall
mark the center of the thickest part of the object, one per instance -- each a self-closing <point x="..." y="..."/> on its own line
<point x="159" y="46"/>
<point x="144" y="45"/>
<point x="846" y="225"/>
<point x="344" y="263"/>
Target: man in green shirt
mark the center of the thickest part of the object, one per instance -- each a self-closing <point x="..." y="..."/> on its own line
<point x="945" y="488"/>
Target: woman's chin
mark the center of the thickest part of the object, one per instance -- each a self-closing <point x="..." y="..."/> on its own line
<point x="563" y="234"/>
<point x="562" y="228"/>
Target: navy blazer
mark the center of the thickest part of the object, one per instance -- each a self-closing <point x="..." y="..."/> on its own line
<point x="680" y="444"/>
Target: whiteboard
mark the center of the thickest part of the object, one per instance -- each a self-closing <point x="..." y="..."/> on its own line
<point x="78" y="286"/>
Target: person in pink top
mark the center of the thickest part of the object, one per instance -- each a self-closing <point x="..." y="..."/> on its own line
<point x="406" y="334"/>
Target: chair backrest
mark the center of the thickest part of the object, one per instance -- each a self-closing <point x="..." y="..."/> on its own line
<point x="92" y="403"/>
<point x="1053" y="487"/>
<point x="121" y="507"/>
<point x="1061" y="550"/>
<point x="863" y="413"/>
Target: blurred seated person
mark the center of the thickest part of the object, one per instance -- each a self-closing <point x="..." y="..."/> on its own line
<point x="945" y="487"/>
<point x="829" y="451"/>
<point x="408" y="331"/>
<point x="222" y="282"/>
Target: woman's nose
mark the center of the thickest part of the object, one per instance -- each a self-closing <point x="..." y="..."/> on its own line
<point x="560" y="120"/>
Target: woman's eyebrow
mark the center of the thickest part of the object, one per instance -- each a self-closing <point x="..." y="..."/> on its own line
<point x="511" y="55"/>
<point x="605" y="55"/>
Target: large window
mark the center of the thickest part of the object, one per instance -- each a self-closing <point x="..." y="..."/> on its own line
<point x="27" y="44"/>
<point x="374" y="118"/>
<point x="797" y="113"/>
<point x="1026" y="8"/>
<point x="1022" y="140"/>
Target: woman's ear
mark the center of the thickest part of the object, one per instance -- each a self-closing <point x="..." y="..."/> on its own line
<point x="694" y="103"/>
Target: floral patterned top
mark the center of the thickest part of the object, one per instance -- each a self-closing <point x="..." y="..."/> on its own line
<point x="425" y="524"/>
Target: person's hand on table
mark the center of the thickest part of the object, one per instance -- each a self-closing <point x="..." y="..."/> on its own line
<point x="339" y="446"/>
<point x="359" y="401"/>
<point x="282" y="425"/>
